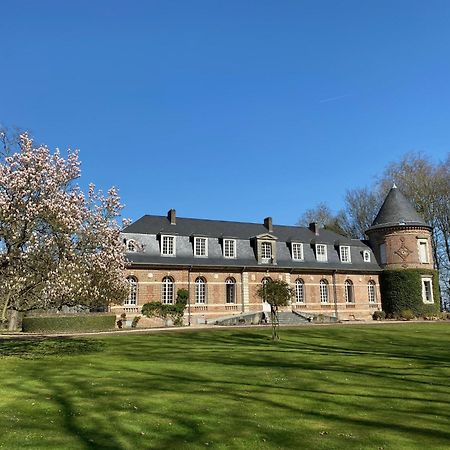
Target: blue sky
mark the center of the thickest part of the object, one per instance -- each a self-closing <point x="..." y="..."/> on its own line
<point x="230" y="110"/>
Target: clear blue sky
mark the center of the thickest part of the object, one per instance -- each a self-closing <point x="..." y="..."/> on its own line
<point x="231" y="109"/>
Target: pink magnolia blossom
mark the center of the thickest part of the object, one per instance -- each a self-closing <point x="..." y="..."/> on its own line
<point x="58" y="246"/>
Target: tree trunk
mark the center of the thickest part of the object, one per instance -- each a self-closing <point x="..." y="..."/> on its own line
<point x="13" y="320"/>
<point x="275" y="323"/>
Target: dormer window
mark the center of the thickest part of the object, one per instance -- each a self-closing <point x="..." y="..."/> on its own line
<point x="229" y="248"/>
<point x="131" y="246"/>
<point x="344" y="252"/>
<point x="266" y="252"/>
<point x="366" y="256"/>
<point x="200" y="246"/>
<point x="321" y="253"/>
<point x="297" y="251"/>
<point x="168" y="245"/>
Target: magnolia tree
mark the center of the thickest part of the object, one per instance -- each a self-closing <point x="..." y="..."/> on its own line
<point x="58" y="246"/>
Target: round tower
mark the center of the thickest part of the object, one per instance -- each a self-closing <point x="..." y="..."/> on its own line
<point x="399" y="237"/>
<point x="401" y="242"/>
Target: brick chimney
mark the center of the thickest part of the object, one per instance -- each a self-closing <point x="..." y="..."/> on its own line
<point x="314" y="227"/>
<point x="268" y="224"/>
<point x="172" y="216"/>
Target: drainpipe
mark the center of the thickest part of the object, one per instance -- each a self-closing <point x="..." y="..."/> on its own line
<point x="242" y="289"/>
<point x="335" y="295"/>
<point x="189" y="296"/>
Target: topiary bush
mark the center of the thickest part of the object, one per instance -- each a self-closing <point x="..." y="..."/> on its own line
<point x="68" y="323"/>
<point x="401" y="290"/>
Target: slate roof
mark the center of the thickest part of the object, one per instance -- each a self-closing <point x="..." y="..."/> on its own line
<point x="147" y="230"/>
<point x="396" y="210"/>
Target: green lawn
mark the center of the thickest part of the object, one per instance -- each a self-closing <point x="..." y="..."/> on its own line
<point x="375" y="387"/>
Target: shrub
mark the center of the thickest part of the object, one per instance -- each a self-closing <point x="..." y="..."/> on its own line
<point x="402" y="290"/>
<point x="135" y="321"/>
<point x="379" y="315"/>
<point x="407" y="314"/>
<point x="68" y="323"/>
<point x="164" y="311"/>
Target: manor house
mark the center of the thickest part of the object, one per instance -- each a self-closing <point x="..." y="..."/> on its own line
<point x="222" y="263"/>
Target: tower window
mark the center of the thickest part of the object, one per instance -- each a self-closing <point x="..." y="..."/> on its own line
<point x="427" y="290"/>
<point x="423" y="251"/>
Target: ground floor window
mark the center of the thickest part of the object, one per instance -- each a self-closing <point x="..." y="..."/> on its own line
<point x="200" y="290"/>
<point x="427" y="290"/>
<point x="323" y="291"/>
<point x="299" y="291"/>
<point x="349" y="292"/>
<point x="167" y="290"/>
<point x="371" y="291"/>
<point x="132" y="291"/>
<point x="230" y="290"/>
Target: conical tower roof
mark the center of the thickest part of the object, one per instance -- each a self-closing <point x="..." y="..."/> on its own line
<point x="397" y="211"/>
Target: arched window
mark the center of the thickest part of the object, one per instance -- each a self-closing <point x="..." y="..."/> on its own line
<point x="323" y="291"/>
<point x="299" y="291"/>
<point x="167" y="290"/>
<point x="131" y="246"/>
<point x="349" y="292"/>
<point x="265" y="280"/>
<point x="371" y="293"/>
<point x="200" y="290"/>
<point x="230" y="290"/>
<point x="132" y="291"/>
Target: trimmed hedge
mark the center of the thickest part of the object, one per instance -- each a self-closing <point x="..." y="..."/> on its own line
<point x="69" y="323"/>
<point x="401" y="290"/>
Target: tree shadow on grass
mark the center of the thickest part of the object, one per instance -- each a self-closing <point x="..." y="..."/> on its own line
<point x="41" y="347"/>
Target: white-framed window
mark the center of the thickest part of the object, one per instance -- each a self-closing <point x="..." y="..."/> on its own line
<point x="168" y="245"/>
<point x="200" y="290"/>
<point x="297" y="251"/>
<point x="423" y="251"/>
<point x="200" y="246"/>
<point x="383" y="259"/>
<point x="131" y="246"/>
<point x="230" y="290"/>
<point x="349" y="292"/>
<point x="371" y="293"/>
<point x="229" y="248"/>
<point x="427" y="290"/>
<point x="344" y="252"/>
<point x="323" y="286"/>
<point x="132" y="291"/>
<point x="266" y="251"/>
<point x="264" y="281"/>
<point x="167" y="290"/>
<point x="299" y="291"/>
<point x="366" y="256"/>
<point x="321" y="252"/>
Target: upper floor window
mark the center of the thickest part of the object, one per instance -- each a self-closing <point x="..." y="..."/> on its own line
<point x="167" y="290"/>
<point x="132" y="291"/>
<point x="229" y="248"/>
<point x="131" y="246"/>
<point x="349" y="292"/>
<point x="266" y="251"/>
<point x="344" y="251"/>
<point x="366" y="256"/>
<point x="427" y="290"/>
<point x="323" y="285"/>
<point x="200" y="246"/>
<point x="200" y="290"/>
<point x="371" y="291"/>
<point x="168" y="246"/>
<point x="299" y="291"/>
<point x="297" y="251"/>
<point x="321" y="252"/>
<point x="423" y="250"/>
<point x="230" y="290"/>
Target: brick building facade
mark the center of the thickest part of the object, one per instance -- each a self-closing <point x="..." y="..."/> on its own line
<point x="222" y="264"/>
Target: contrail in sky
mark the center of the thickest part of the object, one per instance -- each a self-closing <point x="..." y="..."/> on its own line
<point x="332" y="99"/>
